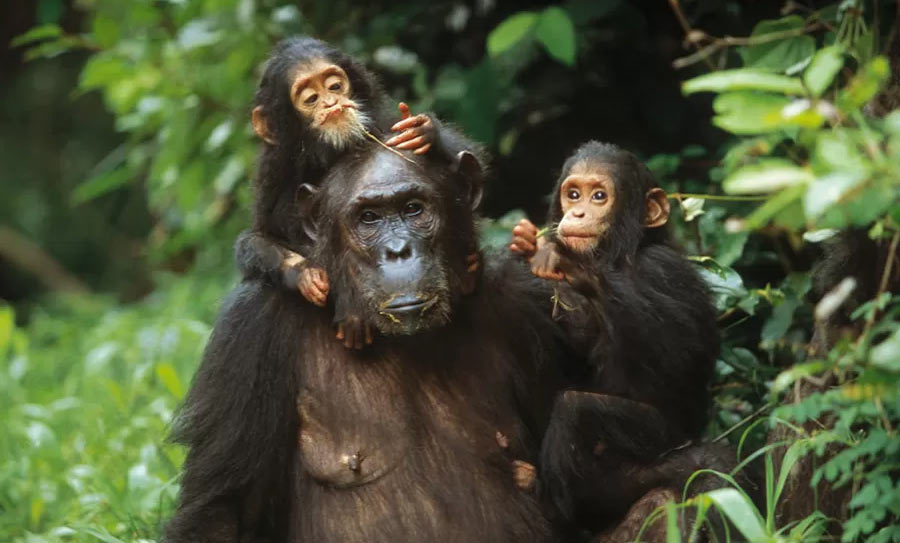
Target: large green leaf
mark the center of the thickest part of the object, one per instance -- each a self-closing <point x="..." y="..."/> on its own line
<point x="749" y="112"/>
<point x="780" y="53"/>
<point x="741" y="512"/>
<point x="743" y="79"/>
<point x="825" y="65"/>
<point x="556" y="31"/>
<point x="511" y="31"/>
<point x="766" y="176"/>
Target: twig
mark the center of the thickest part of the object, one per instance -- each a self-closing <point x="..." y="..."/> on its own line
<point x="885" y="279"/>
<point x="681" y="195"/>
<point x="688" y="31"/>
<point x="741" y="422"/>
<point x="391" y="149"/>
<point x="27" y="255"/>
<point x="731" y="41"/>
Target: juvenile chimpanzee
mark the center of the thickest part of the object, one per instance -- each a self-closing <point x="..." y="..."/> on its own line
<point x="313" y="105"/>
<point x="642" y="317"/>
<point x="294" y="438"/>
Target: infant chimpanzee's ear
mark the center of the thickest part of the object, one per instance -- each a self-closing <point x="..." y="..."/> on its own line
<point x="305" y="199"/>
<point x="468" y="167"/>
<point x="657" y="212"/>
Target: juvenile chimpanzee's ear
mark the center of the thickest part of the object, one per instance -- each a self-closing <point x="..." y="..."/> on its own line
<point x="470" y="169"/>
<point x="261" y="126"/>
<point x="657" y="213"/>
<point x="305" y="199"/>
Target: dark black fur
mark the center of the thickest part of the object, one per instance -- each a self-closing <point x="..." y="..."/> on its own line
<point x="645" y="322"/>
<point x="419" y="410"/>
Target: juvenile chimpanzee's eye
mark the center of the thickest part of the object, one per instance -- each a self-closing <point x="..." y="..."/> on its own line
<point x="335" y="87"/>
<point x="599" y="196"/>
<point x="411" y="209"/>
<point x="311" y="100"/>
<point x="573" y="194"/>
<point x="368" y="217"/>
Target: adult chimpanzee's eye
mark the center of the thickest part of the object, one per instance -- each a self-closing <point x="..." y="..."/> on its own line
<point x="311" y="100"/>
<point x="335" y="87"/>
<point x="368" y="217"/>
<point x="573" y="194"/>
<point x="412" y="209"/>
<point x="599" y="196"/>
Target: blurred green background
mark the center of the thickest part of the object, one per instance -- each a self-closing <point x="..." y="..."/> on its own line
<point x="127" y="157"/>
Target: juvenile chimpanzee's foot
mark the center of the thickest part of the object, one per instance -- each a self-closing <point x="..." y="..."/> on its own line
<point x="417" y="132"/>
<point x="354" y="332"/>
<point x="524" y="475"/>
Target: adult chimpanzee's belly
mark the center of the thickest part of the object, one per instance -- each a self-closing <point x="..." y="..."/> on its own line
<point x="390" y="452"/>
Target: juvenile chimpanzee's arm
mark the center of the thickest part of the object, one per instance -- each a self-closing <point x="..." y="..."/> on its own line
<point x="260" y="257"/>
<point x="424" y="133"/>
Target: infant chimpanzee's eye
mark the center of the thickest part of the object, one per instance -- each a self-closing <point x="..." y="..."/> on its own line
<point x="573" y="195"/>
<point x="368" y="217"/>
<point x="335" y="87"/>
<point x="599" y="196"/>
<point x="411" y="209"/>
<point x="311" y="100"/>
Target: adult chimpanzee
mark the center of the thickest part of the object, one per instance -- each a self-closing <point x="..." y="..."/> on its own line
<point x="642" y="316"/>
<point x="314" y="104"/>
<point x="294" y="438"/>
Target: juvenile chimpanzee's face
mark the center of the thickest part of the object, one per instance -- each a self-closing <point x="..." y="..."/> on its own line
<point x="321" y="92"/>
<point x="392" y="226"/>
<point x="587" y="196"/>
<point x="322" y="96"/>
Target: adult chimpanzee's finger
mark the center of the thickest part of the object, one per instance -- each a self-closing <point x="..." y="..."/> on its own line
<point x="404" y="136"/>
<point x="410" y="122"/>
<point x="413" y="143"/>
<point x="422" y="150"/>
<point x="404" y="110"/>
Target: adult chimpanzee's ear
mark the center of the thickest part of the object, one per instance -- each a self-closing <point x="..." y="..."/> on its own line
<point x="470" y="169"/>
<point x="261" y="126"/>
<point x="305" y="199"/>
<point x="657" y="213"/>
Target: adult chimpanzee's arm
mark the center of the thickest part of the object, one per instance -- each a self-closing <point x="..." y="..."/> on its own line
<point x="239" y="423"/>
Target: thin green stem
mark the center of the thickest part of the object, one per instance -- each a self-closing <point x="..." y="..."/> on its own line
<point x="720" y="197"/>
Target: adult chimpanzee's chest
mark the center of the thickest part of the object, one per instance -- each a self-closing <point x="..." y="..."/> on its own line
<point x="394" y="448"/>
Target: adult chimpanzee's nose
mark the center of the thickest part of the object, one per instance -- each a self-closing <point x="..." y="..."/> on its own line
<point x="397" y="249"/>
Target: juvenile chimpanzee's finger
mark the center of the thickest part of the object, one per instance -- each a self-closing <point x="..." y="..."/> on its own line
<point x="528" y="226"/>
<point x="340" y="331"/>
<point x="320" y="297"/>
<point x="368" y="334"/>
<point x="422" y="150"/>
<point x="526" y="231"/>
<point x="321" y="283"/>
<point x="523" y="245"/>
<point x="404" y="110"/>
<point x="404" y="136"/>
<point x="413" y="143"/>
<point x="474" y="262"/>
<point x="410" y="122"/>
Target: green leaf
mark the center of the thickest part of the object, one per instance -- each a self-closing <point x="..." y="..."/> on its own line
<point x="748" y="112"/>
<point x="826" y="191"/>
<point x="105" y="30"/>
<point x="556" y="31"/>
<point x="7" y="323"/>
<point x="169" y="378"/>
<point x="38" y="33"/>
<point x="743" y="79"/>
<point x="775" y="206"/>
<point x="100" y="185"/>
<point x="766" y="176"/>
<point x="865" y="85"/>
<point x="886" y="355"/>
<point x="826" y="63"/>
<point x="779" y="54"/>
<point x="740" y="511"/>
<point x="510" y="32"/>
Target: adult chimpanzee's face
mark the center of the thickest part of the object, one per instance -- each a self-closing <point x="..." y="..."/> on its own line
<point x="391" y="225"/>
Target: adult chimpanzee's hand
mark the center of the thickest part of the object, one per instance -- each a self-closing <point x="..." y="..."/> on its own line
<point x="417" y="132"/>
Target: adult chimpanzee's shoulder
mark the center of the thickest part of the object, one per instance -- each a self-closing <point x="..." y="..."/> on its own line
<point x="508" y="282"/>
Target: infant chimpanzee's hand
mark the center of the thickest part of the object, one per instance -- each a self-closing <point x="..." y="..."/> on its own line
<point x="417" y="132"/>
<point x="525" y="239"/>
<point x="546" y="261"/>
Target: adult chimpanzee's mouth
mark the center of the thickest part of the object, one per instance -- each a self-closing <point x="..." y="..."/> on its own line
<point x="407" y="303"/>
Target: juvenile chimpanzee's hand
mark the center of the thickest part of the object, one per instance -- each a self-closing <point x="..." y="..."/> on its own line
<point x="313" y="285"/>
<point x="546" y="263"/>
<point x="525" y="239"/>
<point x="354" y="332"/>
<point x="524" y="475"/>
<point x="417" y="132"/>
